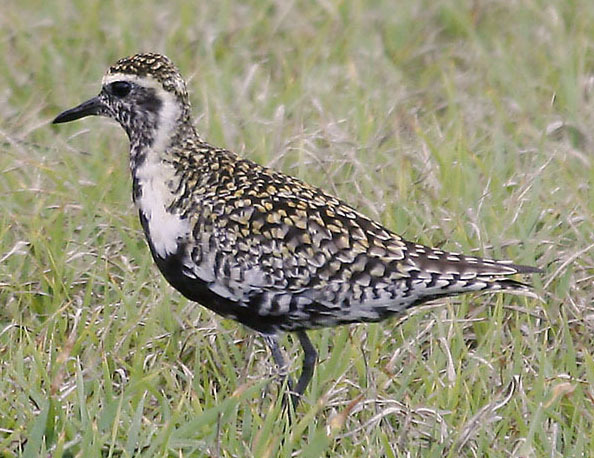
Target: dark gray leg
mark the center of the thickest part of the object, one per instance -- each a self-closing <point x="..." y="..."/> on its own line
<point x="309" y="362"/>
<point x="279" y="359"/>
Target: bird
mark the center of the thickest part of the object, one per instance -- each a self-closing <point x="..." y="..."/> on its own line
<point x="256" y="245"/>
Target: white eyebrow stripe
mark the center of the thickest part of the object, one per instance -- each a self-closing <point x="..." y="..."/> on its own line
<point x="145" y="81"/>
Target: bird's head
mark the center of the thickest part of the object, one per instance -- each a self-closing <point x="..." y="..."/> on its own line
<point x="145" y="93"/>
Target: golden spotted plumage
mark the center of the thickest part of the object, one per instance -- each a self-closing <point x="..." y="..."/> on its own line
<point x="259" y="246"/>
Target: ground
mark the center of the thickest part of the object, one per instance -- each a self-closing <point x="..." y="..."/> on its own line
<point x="464" y="125"/>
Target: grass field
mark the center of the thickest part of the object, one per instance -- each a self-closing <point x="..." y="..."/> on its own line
<point x="462" y="124"/>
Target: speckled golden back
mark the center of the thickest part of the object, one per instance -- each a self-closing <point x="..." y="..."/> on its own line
<point x="289" y="250"/>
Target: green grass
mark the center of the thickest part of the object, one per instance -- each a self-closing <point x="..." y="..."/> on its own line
<point x="467" y="127"/>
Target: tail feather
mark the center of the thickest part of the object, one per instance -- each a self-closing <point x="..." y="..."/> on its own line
<point x="437" y="261"/>
<point x="444" y="273"/>
<point x="505" y="284"/>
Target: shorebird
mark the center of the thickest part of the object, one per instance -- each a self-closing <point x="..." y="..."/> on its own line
<point x="258" y="246"/>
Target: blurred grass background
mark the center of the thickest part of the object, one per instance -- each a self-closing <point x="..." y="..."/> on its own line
<point x="462" y="124"/>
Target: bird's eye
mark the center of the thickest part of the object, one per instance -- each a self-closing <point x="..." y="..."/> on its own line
<point x="120" y="88"/>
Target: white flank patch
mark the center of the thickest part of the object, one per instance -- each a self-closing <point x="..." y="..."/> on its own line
<point x="165" y="229"/>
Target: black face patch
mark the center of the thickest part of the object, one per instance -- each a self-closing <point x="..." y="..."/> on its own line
<point x="149" y="101"/>
<point x="136" y="108"/>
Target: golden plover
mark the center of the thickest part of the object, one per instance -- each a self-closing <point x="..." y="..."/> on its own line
<point x="258" y="246"/>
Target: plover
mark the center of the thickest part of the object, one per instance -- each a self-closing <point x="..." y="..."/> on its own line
<point x="258" y="246"/>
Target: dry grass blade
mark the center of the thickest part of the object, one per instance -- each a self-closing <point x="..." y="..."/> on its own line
<point x="486" y="415"/>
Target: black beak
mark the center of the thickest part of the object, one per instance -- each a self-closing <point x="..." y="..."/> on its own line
<point x="92" y="106"/>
